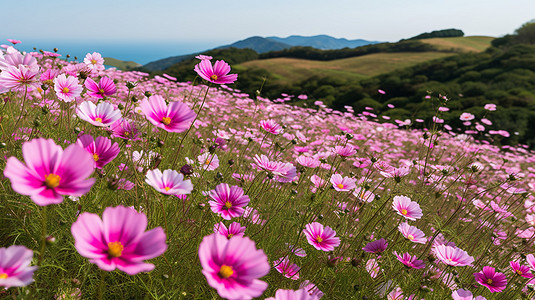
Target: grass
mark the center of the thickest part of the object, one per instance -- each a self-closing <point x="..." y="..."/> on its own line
<point x="461" y="44"/>
<point x="293" y="69"/>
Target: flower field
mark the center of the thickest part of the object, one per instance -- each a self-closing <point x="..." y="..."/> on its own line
<point x="116" y="185"/>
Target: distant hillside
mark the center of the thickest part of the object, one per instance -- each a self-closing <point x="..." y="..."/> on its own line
<point x="265" y="45"/>
<point x="258" y="44"/>
<point x="323" y="42"/>
<point x="120" y="64"/>
<point x="461" y="44"/>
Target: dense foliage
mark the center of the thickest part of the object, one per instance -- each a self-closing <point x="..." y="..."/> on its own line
<point x="438" y="34"/>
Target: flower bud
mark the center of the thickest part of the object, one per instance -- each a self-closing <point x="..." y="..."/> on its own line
<point x="186" y="170"/>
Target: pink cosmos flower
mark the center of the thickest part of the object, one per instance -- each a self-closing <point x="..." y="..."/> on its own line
<point x="466" y="116"/>
<point x="15" y="267"/>
<point x="14" y="42"/>
<point x="202" y="57"/>
<point x="48" y="76"/>
<point x="284" y="172"/>
<point x="169" y="183"/>
<point x="286" y="269"/>
<point x="101" y="148"/>
<point x="104" y="88"/>
<point x="531" y="261"/>
<point x="228" y="201"/>
<point x="118" y="240"/>
<point x="453" y="256"/>
<point x="345" y="151"/>
<point x="271" y="126"/>
<point x="321" y="238"/>
<point x="373" y="267"/>
<point x="489" y="278"/>
<point x="344" y="184"/>
<point x="20" y="78"/>
<point x="234" y="229"/>
<point x="318" y="182"/>
<point x="67" y="88"/>
<point x="94" y="61"/>
<point x="376" y="246"/>
<point x="208" y="161"/>
<point x="296" y="250"/>
<point x="521" y="270"/>
<point x="407" y="208"/>
<point x="175" y="117"/>
<point x="412" y="233"/>
<point x="363" y="195"/>
<point x="311" y="288"/>
<point x="50" y="172"/>
<point x="233" y="266"/>
<point x="301" y="294"/>
<point x="124" y="129"/>
<point x="217" y="74"/>
<point x="14" y="58"/>
<point x="410" y="261"/>
<point x="101" y="115"/>
<point x="307" y="161"/>
<point x="490" y="107"/>
<point x="461" y="294"/>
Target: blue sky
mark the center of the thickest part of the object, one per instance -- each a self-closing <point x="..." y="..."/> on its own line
<point x="210" y="23"/>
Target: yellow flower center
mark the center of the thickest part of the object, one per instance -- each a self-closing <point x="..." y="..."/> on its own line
<point x="166" y="120"/>
<point x="340" y="186"/>
<point x="167" y="189"/>
<point x="213" y="77"/>
<point x="404" y="212"/>
<point x="228" y="204"/>
<point x="115" y="249"/>
<point x="52" y="180"/>
<point x="410" y="237"/>
<point x="225" y="271"/>
<point x="319" y="239"/>
<point x="229" y="236"/>
<point x="208" y="161"/>
<point x="98" y="120"/>
<point x="126" y="133"/>
<point x="3" y="276"/>
<point x="95" y="156"/>
<point x="101" y="91"/>
<point x="94" y="61"/>
<point x="65" y="90"/>
<point x="489" y="281"/>
<point x="519" y="272"/>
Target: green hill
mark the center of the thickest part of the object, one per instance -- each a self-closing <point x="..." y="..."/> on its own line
<point x="120" y="64"/>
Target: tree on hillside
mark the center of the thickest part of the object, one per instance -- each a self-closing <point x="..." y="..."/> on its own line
<point x="526" y="33"/>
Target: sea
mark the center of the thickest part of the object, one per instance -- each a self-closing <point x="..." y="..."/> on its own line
<point x="141" y="52"/>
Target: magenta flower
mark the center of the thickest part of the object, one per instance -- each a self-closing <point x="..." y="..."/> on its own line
<point x="101" y="148"/>
<point x="412" y="233"/>
<point x="170" y="182"/>
<point x="521" y="270"/>
<point x="20" y="78"/>
<point x="67" y="88"/>
<point x="124" y="129"/>
<point x="531" y="261"/>
<point x="453" y="256"/>
<point x="234" y="229"/>
<point x="363" y="195"/>
<point x="271" y="126"/>
<point x="307" y="161"/>
<point x="344" y="184"/>
<point x="233" y="266"/>
<point x="100" y="115"/>
<point x="50" y="172"/>
<point x="376" y="246"/>
<point x="321" y="238"/>
<point x="410" y="261"/>
<point x="228" y="201"/>
<point x="284" y="172"/>
<point x="407" y="208"/>
<point x="104" y="88"/>
<point x="175" y="117"/>
<point x="118" y="240"/>
<point x="15" y="267"/>
<point x="286" y="269"/>
<point x="202" y="57"/>
<point x="301" y="294"/>
<point x="218" y="74"/>
<point x="345" y="151"/>
<point x="311" y="288"/>
<point x="494" y="281"/>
